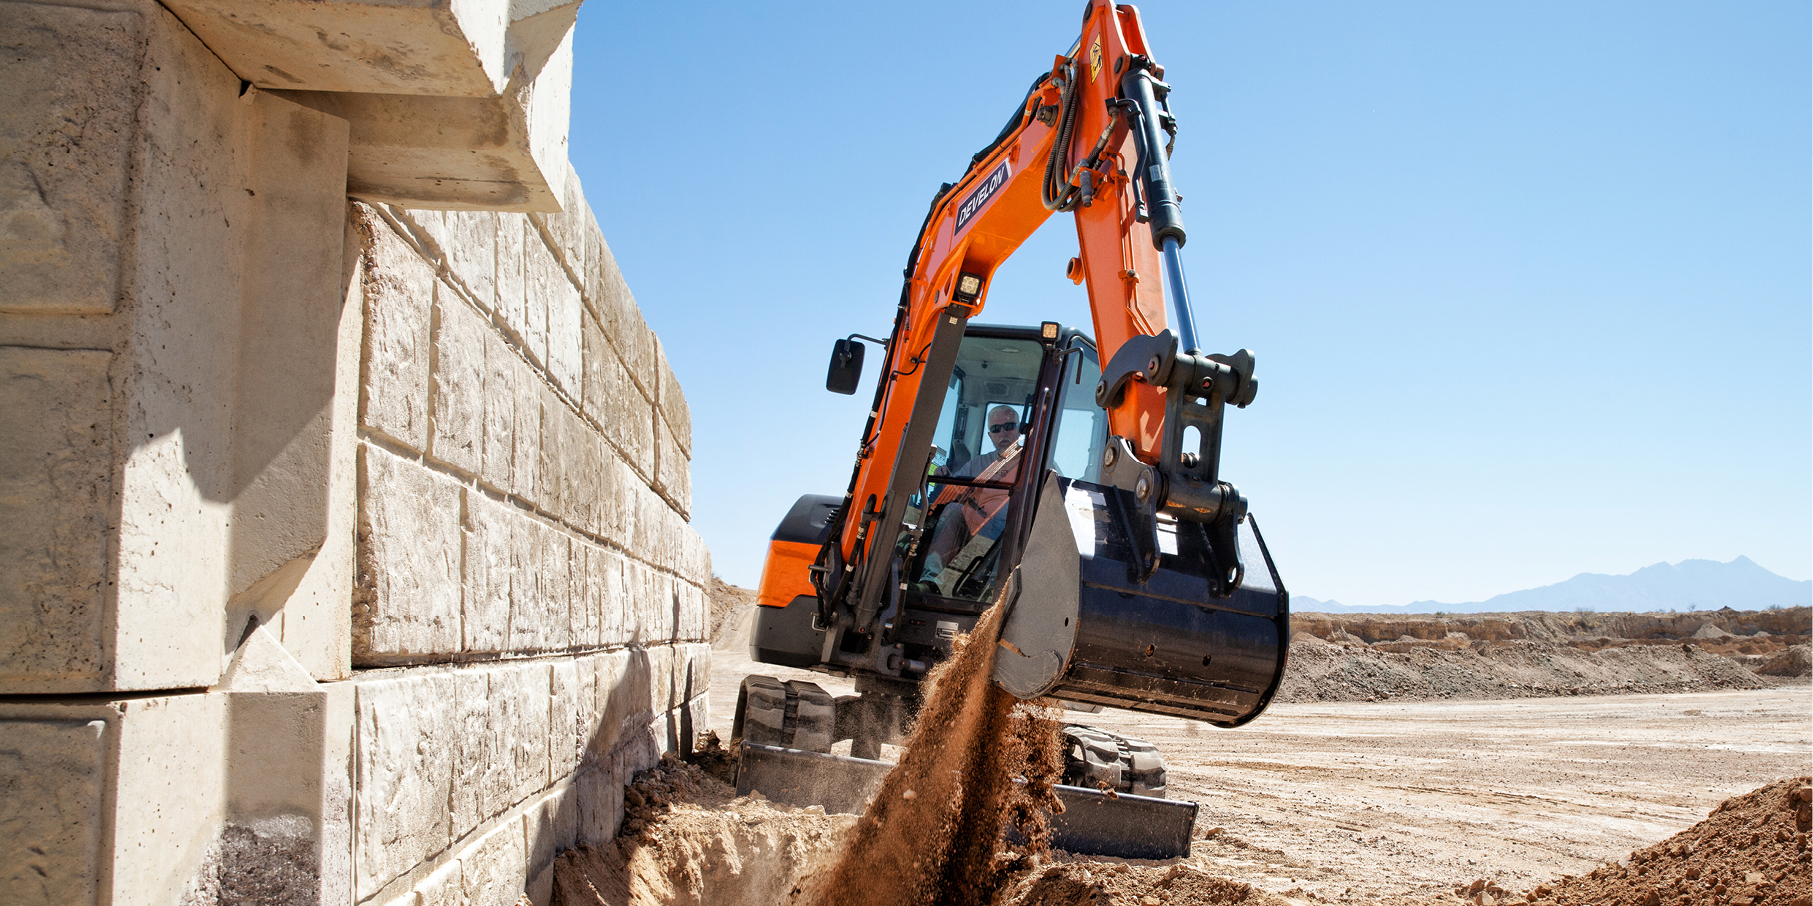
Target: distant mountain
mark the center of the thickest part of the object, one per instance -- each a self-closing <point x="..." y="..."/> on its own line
<point x="1688" y="585"/>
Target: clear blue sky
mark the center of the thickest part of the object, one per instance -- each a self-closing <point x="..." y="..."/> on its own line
<point x="1528" y="282"/>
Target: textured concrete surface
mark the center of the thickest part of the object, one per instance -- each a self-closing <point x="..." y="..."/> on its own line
<point x="346" y="544"/>
<point x="63" y="183"/>
<point x="51" y="783"/>
<point x="55" y="496"/>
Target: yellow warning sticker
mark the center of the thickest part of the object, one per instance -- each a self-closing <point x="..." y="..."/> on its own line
<point x="1095" y="59"/>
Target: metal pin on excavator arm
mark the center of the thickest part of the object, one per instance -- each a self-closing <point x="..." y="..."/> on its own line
<point x="1133" y="575"/>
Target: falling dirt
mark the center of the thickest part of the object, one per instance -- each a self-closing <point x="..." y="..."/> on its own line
<point x="932" y="834"/>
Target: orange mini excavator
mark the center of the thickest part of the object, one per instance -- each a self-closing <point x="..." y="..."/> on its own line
<point x="1008" y="463"/>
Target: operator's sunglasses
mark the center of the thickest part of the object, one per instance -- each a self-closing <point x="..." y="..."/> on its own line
<point x="1004" y="426"/>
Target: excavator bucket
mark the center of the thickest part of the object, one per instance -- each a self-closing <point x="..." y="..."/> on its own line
<point x="1084" y="626"/>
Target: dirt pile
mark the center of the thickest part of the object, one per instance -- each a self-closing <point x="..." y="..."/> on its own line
<point x="1752" y="851"/>
<point x="932" y="834"/>
<point x="695" y="842"/>
<point x="1328" y="672"/>
<point x="1415" y="657"/>
<point x="1750" y="631"/>
<point x="1085" y="883"/>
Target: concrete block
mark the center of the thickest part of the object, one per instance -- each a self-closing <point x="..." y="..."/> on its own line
<point x="511" y="309"/>
<point x="583" y="478"/>
<point x="566" y="228"/>
<point x="619" y="489"/>
<point x="399" y="292"/>
<point x="615" y="621"/>
<point x="583" y="611"/>
<point x="600" y="798"/>
<point x="442" y="887"/>
<point x="501" y="153"/>
<point x="661" y="664"/>
<point x="296" y="399"/>
<point x="457" y="398"/>
<point x="695" y="721"/>
<point x="653" y="536"/>
<point x="520" y="708"/>
<point x="694" y="564"/>
<point x="639" y="748"/>
<point x="563" y="720"/>
<point x="52" y="784"/>
<point x="466" y="243"/>
<point x="465" y="50"/>
<point x="555" y="456"/>
<point x="498" y="456"/>
<point x="625" y="684"/>
<point x="550" y="828"/>
<point x="63" y="181"/>
<point x="540" y="890"/>
<point x="409" y="549"/>
<point x="564" y="314"/>
<point x="554" y="617"/>
<point x="673" y="471"/>
<point x="488" y="569"/>
<point x="617" y="313"/>
<point x="171" y="754"/>
<point x="176" y="387"/>
<point x="404" y="761"/>
<point x="540" y="619"/>
<point x="543" y="280"/>
<point x="698" y="670"/>
<point x="60" y="765"/>
<point x="585" y="708"/>
<point x="525" y="472"/>
<point x="55" y="495"/>
<point x="613" y="402"/>
<point x="671" y="400"/>
<point x="478" y="775"/>
<point x="494" y="869"/>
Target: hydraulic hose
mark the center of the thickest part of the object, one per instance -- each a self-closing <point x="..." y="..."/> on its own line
<point x="1056" y="192"/>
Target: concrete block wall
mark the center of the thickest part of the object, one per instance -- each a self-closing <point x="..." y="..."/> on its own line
<point x="529" y="604"/>
<point x="344" y="555"/>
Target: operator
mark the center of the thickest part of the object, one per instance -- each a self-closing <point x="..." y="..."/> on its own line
<point x="1003" y="432"/>
<point x="975" y="511"/>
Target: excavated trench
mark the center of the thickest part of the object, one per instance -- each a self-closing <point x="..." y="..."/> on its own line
<point x="1593" y="800"/>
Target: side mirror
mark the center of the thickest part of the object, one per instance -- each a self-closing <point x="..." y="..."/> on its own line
<point x="846" y="367"/>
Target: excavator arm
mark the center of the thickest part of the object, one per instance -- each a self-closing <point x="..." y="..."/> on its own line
<point x="1090" y="139"/>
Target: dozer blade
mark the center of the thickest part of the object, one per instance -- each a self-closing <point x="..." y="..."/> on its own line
<point x="1083" y="628"/>
<point x="1093" y="823"/>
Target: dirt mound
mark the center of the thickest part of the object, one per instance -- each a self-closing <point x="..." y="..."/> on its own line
<point x="1084" y="883"/>
<point x="1414" y="657"/>
<point x="697" y="843"/>
<point x="1752" y="851"/>
<point x="932" y="834"/>
<point x="1796" y="661"/>
<point x="1327" y="672"/>
<point x="1748" y="631"/>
